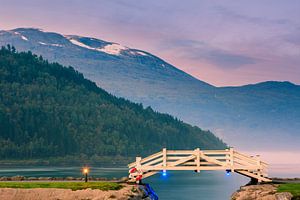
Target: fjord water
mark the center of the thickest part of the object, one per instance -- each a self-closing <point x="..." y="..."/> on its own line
<point x="175" y="186"/>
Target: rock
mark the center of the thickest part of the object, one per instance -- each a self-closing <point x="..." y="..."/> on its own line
<point x="70" y="178"/>
<point x="32" y="178"/>
<point x="283" y="196"/>
<point x="260" y="192"/>
<point x="17" y="178"/>
<point x="102" y="179"/>
<point x="46" y="178"/>
<point x="4" y="178"/>
<point x="124" y="179"/>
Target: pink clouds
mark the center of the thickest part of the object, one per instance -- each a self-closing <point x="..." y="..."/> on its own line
<point x="222" y="43"/>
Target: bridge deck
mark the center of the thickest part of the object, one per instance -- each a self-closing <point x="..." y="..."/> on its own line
<point x="197" y="160"/>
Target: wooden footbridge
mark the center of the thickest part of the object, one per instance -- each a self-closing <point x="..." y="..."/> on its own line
<point x="197" y="160"/>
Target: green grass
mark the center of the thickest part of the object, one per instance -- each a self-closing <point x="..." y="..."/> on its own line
<point x="293" y="188"/>
<point x="63" y="185"/>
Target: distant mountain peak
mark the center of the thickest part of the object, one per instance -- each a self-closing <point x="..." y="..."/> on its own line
<point x="88" y="43"/>
<point x="273" y="84"/>
<point x="22" y="29"/>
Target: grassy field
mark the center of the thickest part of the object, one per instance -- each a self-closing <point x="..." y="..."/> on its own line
<point x="293" y="188"/>
<point x="63" y="185"/>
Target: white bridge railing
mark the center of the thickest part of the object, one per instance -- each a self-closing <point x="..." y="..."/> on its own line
<point x="198" y="160"/>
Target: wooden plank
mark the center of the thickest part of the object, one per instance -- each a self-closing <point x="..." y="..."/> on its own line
<point x="241" y="157"/>
<point x="227" y="157"/>
<point x="220" y="158"/>
<point x="153" y="156"/>
<point x="164" y="162"/>
<point x="202" y="163"/>
<point x="158" y="160"/>
<point x="215" y="152"/>
<point x="149" y="158"/>
<point x="182" y="160"/>
<point x="175" y="157"/>
<point x="231" y="159"/>
<point x="146" y="159"/>
<point x="244" y="156"/>
<point x="138" y="162"/>
<point x="198" y="160"/>
<point x="210" y="159"/>
<point x="251" y="175"/>
<point x="243" y="162"/>
<point x="179" y="152"/>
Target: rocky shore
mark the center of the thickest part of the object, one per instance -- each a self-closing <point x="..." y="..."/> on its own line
<point x="128" y="192"/>
<point x="260" y="192"/>
<point x="22" y="178"/>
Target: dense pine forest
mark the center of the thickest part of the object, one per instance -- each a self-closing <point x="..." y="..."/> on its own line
<point x="47" y="110"/>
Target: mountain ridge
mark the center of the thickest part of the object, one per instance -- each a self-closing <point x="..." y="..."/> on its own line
<point x="238" y="114"/>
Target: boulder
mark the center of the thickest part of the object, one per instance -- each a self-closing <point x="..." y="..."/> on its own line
<point x="32" y="178"/>
<point x="4" y="178"/>
<point x="260" y="192"/>
<point x="284" y="196"/>
<point x="17" y="178"/>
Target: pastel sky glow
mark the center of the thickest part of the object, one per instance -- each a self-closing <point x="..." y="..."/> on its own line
<point x="221" y="42"/>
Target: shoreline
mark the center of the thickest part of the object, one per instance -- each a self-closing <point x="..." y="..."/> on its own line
<point x="125" y="193"/>
<point x="62" y="179"/>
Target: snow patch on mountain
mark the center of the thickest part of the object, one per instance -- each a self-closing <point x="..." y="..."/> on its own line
<point x="22" y="36"/>
<point x="73" y="41"/>
<point x="55" y="45"/>
<point x="137" y="52"/>
<point x="113" y="49"/>
<point x="141" y="53"/>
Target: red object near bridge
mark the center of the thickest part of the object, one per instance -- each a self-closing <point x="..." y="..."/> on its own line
<point x="133" y="170"/>
<point x="139" y="177"/>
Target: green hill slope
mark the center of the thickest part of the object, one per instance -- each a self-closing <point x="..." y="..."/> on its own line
<point x="47" y="110"/>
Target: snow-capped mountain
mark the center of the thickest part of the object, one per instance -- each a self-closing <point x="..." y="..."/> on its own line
<point x="243" y="116"/>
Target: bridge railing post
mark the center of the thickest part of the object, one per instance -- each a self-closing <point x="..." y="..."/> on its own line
<point x="138" y="163"/>
<point x="259" y="167"/>
<point x="198" y="159"/>
<point x="227" y="156"/>
<point x="231" y="159"/>
<point x="164" y="158"/>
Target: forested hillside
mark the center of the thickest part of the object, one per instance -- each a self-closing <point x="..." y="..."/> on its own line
<point x="48" y="110"/>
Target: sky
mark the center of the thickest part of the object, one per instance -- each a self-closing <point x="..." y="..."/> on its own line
<point x="224" y="43"/>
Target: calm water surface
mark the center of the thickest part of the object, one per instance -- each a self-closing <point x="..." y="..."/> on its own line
<point x="175" y="186"/>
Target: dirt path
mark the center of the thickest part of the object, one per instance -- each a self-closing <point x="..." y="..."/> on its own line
<point x="66" y="194"/>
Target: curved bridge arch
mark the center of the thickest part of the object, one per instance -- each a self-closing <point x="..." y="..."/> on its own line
<point x="198" y="160"/>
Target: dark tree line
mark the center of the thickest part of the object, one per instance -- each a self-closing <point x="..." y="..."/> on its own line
<point x="49" y="110"/>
